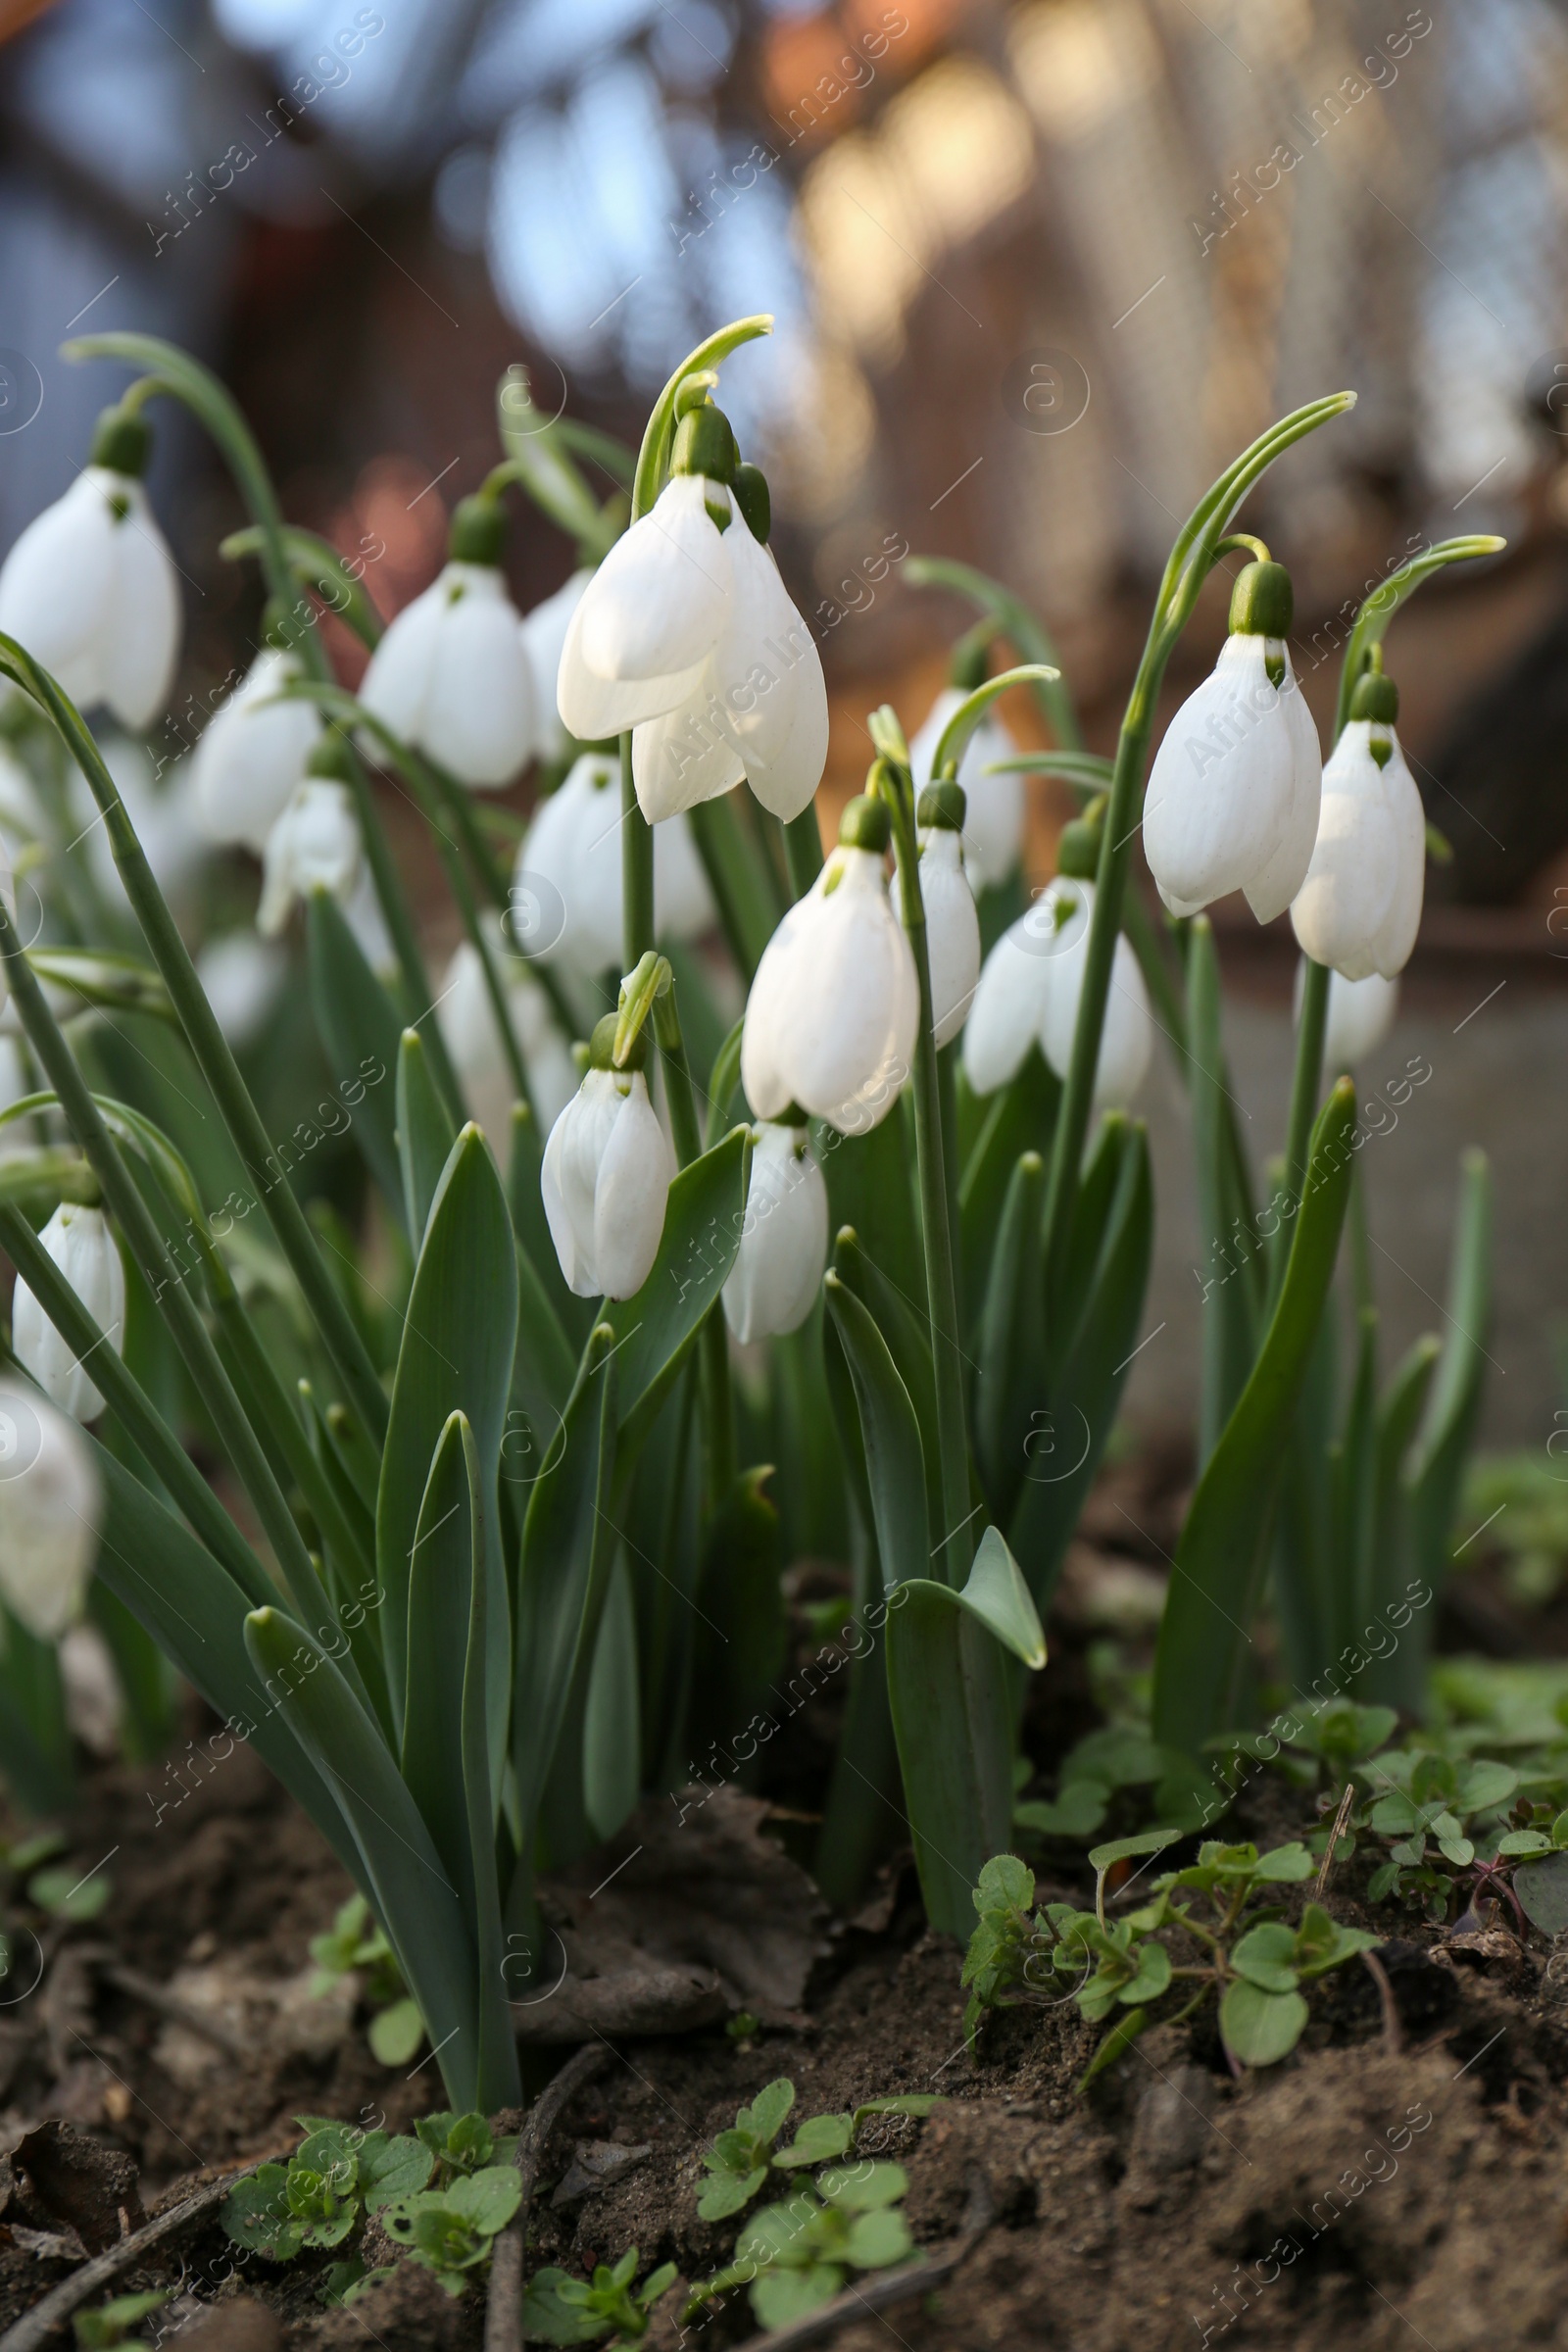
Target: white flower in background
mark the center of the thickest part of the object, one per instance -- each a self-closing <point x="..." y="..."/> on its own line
<point x="1029" y="993"/>
<point x="51" y="1501"/>
<point x="79" y="1242"/>
<point x="252" y="753"/>
<point x="608" y="1169"/>
<point x="835" y="1008"/>
<point x="314" y="845"/>
<point x="362" y="911"/>
<point x="994" y="819"/>
<point x="778" y="1269"/>
<point x="474" y="1042"/>
<point x="95" y="1704"/>
<point x="543" y="640"/>
<point x="1127" y="1036"/>
<point x="241" y="977"/>
<point x="90" y="588"/>
<point x="451" y="675"/>
<point x="952" y="926"/>
<point x="567" y="892"/>
<point x="1233" y="795"/>
<point x="687" y="636"/>
<point x="1359" y="908"/>
<point x="1359" y="1018"/>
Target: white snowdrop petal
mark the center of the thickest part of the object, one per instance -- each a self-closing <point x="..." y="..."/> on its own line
<point x="569" y="1175"/>
<point x="51" y="1504"/>
<point x="952" y="933"/>
<point x="778" y="1269"/>
<point x="1222" y="788"/>
<point x="593" y="707"/>
<point x="659" y="598"/>
<point x="397" y="680"/>
<point x="768" y="1009"/>
<point x="478" y="718"/>
<point x="58" y="580"/>
<point x="1361" y="855"/>
<point x="1270" y="891"/>
<point x="1008" y="1007"/>
<point x="544" y="639"/>
<point x="1361" y="1016"/>
<point x="314" y="845"/>
<point x="252" y="755"/>
<point x="139" y="626"/>
<point x="635" y="1174"/>
<point x="79" y="1241"/>
<point x="1126" y="1036"/>
<point x="686" y="755"/>
<point x="994" y="820"/>
<point x="1396" y="932"/>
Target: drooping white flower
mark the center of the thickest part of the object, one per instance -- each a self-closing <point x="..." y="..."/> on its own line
<point x="51" y="1502"/>
<point x="1359" y="908"/>
<point x="1361" y="1015"/>
<point x="241" y="977"/>
<point x="82" y="1246"/>
<point x="90" y="588"/>
<point x="952" y="926"/>
<point x="687" y="636"/>
<point x="567" y="891"/>
<point x="451" y="675"/>
<point x="474" y="1042"/>
<point x="1127" y="1036"/>
<point x="834" y="1010"/>
<point x="1029" y="993"/>
<point x="544" y="639"/>
<point x="778" y="1269"/>
<point x="252" y="753"/>
<point x="606" y="1179"/>
<point x="314" y="845"/>
<point x="1233" y="794"/>
<point x="994" y="819"/>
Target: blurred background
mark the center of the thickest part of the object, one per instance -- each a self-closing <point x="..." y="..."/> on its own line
<point x="1038" y="270"/>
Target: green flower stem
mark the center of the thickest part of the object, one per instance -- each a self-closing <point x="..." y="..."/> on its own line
<point x="414" y="981"/>
<point x="207" y="1043"/>
<point x="802" y="850"/>
<point x="1190" y="560"/>
<point x="717" y="1402"/>
<point x="956" y="1549"/>
<point x="135" y="1410"/>
<point x="636" y="868"/>
<point x="1307" y="1083"/>
<point x="746" y="890"/>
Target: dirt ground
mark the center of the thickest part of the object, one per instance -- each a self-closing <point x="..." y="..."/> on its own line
<point x="1401" y="2180"/>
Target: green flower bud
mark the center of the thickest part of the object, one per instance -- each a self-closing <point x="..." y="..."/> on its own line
<point x="1078" y="850"/>
<point x="972" y="657"/>
<point x="332" y="756"/>
<point x="1262" y="601"/>
<point x="945" y="805"/>
<point x="1376" y="696"/>
<point x="865" y="825"/>
<point x="602" y="1045"/>
<point x="478" y="531"/>
<point x="705" y="444"/>
<point x="123" y="441"/>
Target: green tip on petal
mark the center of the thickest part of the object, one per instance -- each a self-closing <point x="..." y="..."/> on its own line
<point x="865" y="824"/>
<point x="123" y="441"/>
<point x="478" y="533"/>
<point x="706" y="445"/>
<point x="1262" y="601"/>
<point x="943" y="805"/>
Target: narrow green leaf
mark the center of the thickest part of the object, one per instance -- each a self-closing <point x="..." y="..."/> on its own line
<point x="425" y="1133"/>
<point x="413" y="1894"/>
<point x="1200" y="1660"/>
<point x="360" y="1028"/>
<point x="1010" y="1373"/>
<point x="458" y="1343"/>
<point x="996" y="1598"/>
<point x="890" y="1435"/>
<point x="1018" y="1118"/>
<point x="1354" y="1495"/>
<point x="1437" y="1465"/>
<point x="701" y="1236"/>
<point x="1231" y="1255"/>
<point x="901" y="1321"/>
<point x="440" y="1605"/>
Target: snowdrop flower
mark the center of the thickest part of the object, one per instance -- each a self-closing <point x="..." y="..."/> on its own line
<point x="1361" y="1015"/>
<point x="1233" y="795"/>
<point x="952" y="926"/>
<point x="778" y="1269"/>
<point x="314" y="845"/>
<point x="544" y="639"/>
<point x="1029" y="993"/>
<point x="685" y="634"/>
<point x="835" y="1008"/>
<point x="90" y="587"/>
<point x="1127" y="1036"/>
<point x="467" y="1024"/>
<point x="993" y="824"/>
<point x="608" y="1169"/>
<point x="241" y="978"/>
<point x="451" y="675"/>
<point x="572" y="847"/>
<point x="1359" y="908"/>
<point x="79" y="1242"/>
<point x="254" y="750"/>
<point x="51" y="1500"/>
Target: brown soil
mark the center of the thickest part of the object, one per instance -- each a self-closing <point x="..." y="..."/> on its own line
<point x="1401" y="2179"/>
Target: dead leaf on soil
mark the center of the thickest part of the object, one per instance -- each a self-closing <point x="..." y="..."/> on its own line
<point x="59" y="2174"/>
<point x="695" y="1882"/>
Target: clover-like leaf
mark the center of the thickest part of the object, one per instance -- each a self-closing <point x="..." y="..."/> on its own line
<point x="863" y="2187"/>
<point x="1152" y="1974"/>
<point x="1266" y="1957"/>
<point x="1259" y="2027"/>
<point x="550" y="2319"/>
<point x="819" y="2137"/>
<point x="726" y="2192"/>
<point x="392" y="2168"/>
<point x="878" y="2240"/>
<point x="1005" y="1884"/>
<point x="1484" y="1784"/>
<point x="1285" y="1866"/>
<point x="256" y="2214"/>
<point x="779" y="2297"/>
<point x="765" y="2115"/>
<point x="486" y="2199"/>
<point x="396" y="2033"/>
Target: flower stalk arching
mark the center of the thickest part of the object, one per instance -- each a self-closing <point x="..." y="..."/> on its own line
<point x="1367" y="630"/>
<point x="653" y="463"/>
<point x="1190" y="560"/>
<point x="891" y="783"/>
